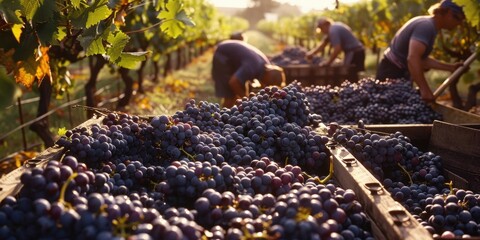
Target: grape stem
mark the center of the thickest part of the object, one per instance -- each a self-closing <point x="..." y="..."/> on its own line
<point x="328" y="177"/>
<point x="406" y="172"/>
<point x="61" y="198"/>
<point x="187" y="154"/>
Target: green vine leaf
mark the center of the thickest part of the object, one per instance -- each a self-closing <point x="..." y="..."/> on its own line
<point x="62" y="131"/>
<point x="10" y="10"/>
<point x="471" y="8"/>
<point x="85" y="18"/>
<point x="118" y="41"/>
<point x="131" y="60"/>
<point x="174" y="19"/>
<point x="30" y="8"/>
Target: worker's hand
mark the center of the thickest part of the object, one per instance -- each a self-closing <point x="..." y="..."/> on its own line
<point x="309" y="56"/>
<point x="324" y="64"/>
<point x="427" y="95"/>
<point x="457" y="65"/>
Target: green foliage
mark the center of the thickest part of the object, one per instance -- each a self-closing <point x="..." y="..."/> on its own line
<point x="471" y="8"/>
<point x="91" y="15"/>
<point x="9" y="89"/>
<point x="174" y="18"/>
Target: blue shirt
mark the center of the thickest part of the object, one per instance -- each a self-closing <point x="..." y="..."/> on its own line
<point x="245" y="60"/>
<point x="421" y="28"/>
<point x="339" y="33"/>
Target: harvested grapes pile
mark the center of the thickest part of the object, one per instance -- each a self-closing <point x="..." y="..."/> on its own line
<point x="372" y="101"/>
<point x="256" y="170"/>
<point x="294" y="55"/>
<point x="253" y="171"/>
<point x="415" y="179"/>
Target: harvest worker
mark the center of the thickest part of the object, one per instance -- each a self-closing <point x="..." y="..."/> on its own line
<point x="340" y="38"/>
<point x="408" y="54"/>
<point x="234" y="63"/>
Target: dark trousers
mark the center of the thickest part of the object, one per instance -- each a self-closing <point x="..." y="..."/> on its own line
<point x="387" y="69"/>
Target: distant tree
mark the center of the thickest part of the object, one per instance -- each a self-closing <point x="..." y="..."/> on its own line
<point x="257" y="10"/>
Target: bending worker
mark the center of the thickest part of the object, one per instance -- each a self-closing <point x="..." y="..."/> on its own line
<point x="234" y="63"/>
<point x="340" y="38"/>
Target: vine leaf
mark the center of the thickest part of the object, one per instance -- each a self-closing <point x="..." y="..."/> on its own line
<point x="75" y="3"/>
<point x="118" y="41"/>
<point x="27" y="71"/>
<point x="17" y="31"/>
<point x="10" y="9"/>
<point x="174" y="19"/>
<point x="472" y="11"/>
<point x="30" y="8"/>
<point x="130" y="59"/>
<point x="91" y="15"/>
<point x="43" y="61"/>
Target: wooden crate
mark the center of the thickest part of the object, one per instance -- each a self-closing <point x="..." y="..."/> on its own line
<point x="392" y="220"/>
<point x="309" y="74"/>
<point x="457" y="144"/>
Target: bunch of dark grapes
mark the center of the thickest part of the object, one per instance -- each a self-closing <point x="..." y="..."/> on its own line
<point x="185" y="181"/>
<point x="391" y="156"/>
<point x="453" y="215"/>
<point x="415" y="179"/>
<point x="293" y="55"/>
<point x="204" y="115"/>
<point x="314" y="211"/>
<point x="266" y="177"/>
<point x="63" y="201"/>
<point x="132" y="176"/>
<point x="174" y="177"/>
<point x="305" y="211"/>
<point x="119" y="135"/>
<point x="374" y="102"/>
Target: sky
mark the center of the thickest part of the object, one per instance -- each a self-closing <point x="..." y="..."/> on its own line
<point x="304" y="5"/>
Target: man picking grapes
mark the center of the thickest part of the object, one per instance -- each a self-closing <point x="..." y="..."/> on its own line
<point x="234" y="63"/>
<point x="341" y="39"/>
<point x="408" y="54"/>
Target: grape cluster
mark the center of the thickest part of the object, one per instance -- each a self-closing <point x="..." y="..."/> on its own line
<point x="415" y="179"/>
<point x="369" y="100"/>
<point x="199" y="173"/>
<point x="293" y="55"/>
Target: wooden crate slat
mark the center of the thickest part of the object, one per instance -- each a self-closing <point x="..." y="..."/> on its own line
<point x="379" y="206"/>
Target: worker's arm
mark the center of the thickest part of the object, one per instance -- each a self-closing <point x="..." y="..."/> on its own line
<point x="237" y="88"/>
<point x="319" y="48"/>
<point x="416" y="67"/>
<point x="337" y="49"/>
<point x="431" y="63"/>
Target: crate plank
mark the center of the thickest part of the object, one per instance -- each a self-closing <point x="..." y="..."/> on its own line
<point x="454" y="115"/>
<point x="459" y="147"/>
<point x="10" y="184"/>
<point x="393" y="220"/>
<point x="455" y="138"/>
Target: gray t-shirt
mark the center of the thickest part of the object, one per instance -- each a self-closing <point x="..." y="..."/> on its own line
<point x="421" y="28"/>
<point x="339" y="33"/>
<point x="244" y="59"/>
